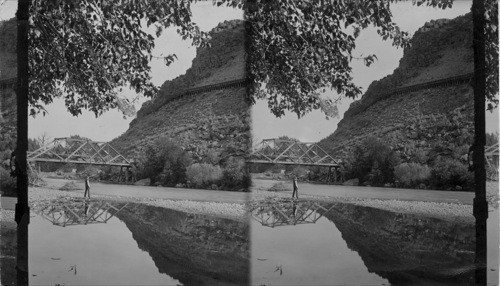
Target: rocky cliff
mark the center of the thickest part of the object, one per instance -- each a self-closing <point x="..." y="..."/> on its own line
<point x="409" y="114"/>
<point x="204" y="110"/>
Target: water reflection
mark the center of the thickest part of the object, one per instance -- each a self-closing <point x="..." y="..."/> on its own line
<point x="342" y="243"/>
<point x="67" y="212"/>
<point x="133" y="244"/>
<point x="273" y="213"/>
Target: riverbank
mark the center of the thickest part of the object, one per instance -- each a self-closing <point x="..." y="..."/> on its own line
<point x="450" y="211"/>
<point x="224" y="210"/>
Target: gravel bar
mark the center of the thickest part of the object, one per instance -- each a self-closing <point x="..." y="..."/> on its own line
<point x="226" y="210"/>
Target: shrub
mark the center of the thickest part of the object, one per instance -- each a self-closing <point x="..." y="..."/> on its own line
<point x="372" y="162"/>
<point x="203" y="175"/>
<point x="8" y="184"/>
<point x="412" y="174"/>
<point x="448" y="173"/>
<point x="235" y="175"/>
<point x="163" y="162"/>
<point x="212" y="157"/>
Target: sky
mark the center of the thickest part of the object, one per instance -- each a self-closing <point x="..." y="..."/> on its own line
<point x="314" y="126"/>
<point x="311" y="128"/>
<point x="59" y="123"/>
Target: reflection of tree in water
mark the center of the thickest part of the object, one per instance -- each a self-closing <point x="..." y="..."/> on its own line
<point x="77" y="211"/>
<point x="282" y="212"/>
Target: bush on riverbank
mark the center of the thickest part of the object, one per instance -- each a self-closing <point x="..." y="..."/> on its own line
<point x="203" y="175"/>
<point x="235" y="175"/>
<point x="451" y="174"/>
<point x="164" y="162"/>
<point x="410" y="175"/>
<point x="372" y="162"/>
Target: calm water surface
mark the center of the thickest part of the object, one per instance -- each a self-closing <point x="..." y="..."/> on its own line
<point x="103" y="254"/>
<point x="341" y="244"/>
<point x="77" y="242"/>
<point x="308" y="254"/>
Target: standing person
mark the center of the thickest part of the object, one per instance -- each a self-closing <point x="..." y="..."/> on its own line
<point x="295" y="188"/>
<point x="87" y="187"/>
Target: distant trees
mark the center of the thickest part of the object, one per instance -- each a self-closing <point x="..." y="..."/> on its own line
<point x="165" y="163"/>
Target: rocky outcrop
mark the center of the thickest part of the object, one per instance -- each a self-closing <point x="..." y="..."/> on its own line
<point x="212" y="120"/>
<point x="423" y="117"/>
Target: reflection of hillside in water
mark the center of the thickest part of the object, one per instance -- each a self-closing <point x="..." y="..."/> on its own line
<point x="273" y="213"/>
<point x="77" y="211"/>
<point x="195" y="249"/>
<point x="408" y="249"/>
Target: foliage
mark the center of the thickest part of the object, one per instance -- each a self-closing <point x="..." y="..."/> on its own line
<point x="203" y="175"/>
<point x="33" y="144"/>
<point x="411" y="174"/>
<point x="164" y="162"/>
<point x="8" y="184"/>
<point x="491" y="139"/>
<point x="235" y="174"/>
<point x="491" y="40"/>
<point x="299" y="47"/>
<point x="299" y="171"/>
<point x="85" y="50"/>
<point x="212" y="157"/>
<point x="372" y="162"/>
<point x="109" y="173"/>
<point x="450" y="173"/>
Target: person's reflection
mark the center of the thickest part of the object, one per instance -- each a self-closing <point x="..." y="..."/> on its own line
<point x="294" y="212"/>
<point x="86" y="208"/>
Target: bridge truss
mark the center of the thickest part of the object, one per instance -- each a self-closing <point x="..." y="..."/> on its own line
<point x="82" y="151"/>
<point x="287" y="212"/>
<point x="292" y="152"/>
<point x="68" y="212"/>
<point x="491" y="155"/>
<point x="79" y="151"/>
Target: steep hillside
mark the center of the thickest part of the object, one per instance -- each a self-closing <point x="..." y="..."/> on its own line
<point x="208" y="121"/>
<point x="428" y="120"/>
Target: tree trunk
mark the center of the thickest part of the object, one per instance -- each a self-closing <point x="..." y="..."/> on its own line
<point x="22" y="209"/>
<point x="480" y="204"/>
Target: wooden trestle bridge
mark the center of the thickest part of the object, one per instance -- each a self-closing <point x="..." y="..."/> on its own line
<point x="81" y="151"/>
<point x="292" y="152"/>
